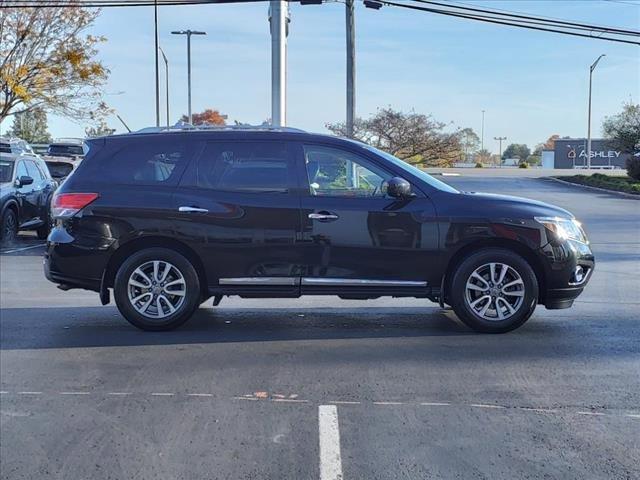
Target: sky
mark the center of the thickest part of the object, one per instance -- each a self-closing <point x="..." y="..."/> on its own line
<point x="531" y="84"/>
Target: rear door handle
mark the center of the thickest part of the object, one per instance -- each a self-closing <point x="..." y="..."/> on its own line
<point x="323" y="216"/>
<point x="193" y="210"/>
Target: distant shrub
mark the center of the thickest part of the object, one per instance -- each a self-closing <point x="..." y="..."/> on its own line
<point x="479" y="165"/>
<point x="633" y="167"/>
<point x="523" y="165"/>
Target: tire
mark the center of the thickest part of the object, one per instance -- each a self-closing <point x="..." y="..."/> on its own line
<point x="9" y="227"/>
<point x="510" y="297"/>
<point x="150" y="312"/>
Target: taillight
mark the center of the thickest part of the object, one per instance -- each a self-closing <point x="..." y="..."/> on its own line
<point x="66" y="205"/>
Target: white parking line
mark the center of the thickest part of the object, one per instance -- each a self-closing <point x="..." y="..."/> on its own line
<point x="632" y="415"/>
<point x="163" y="394"/>
<point x="199" y="394"/>
<point x="388" y="403"/>
<point x="74" y="393"/>
<point x="29" y="393"/>
<point x="590" y="413"/>
<point x="344" y="402"/>
<point x="484" y="405"/>
<point x="330" y="457"/>
<point x="288" y="400"/>
<point x="22" y="249"/>
<point x="435" y="404"/>
<point x="119" y="393"/>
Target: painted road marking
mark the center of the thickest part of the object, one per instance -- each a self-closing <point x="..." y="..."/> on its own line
<point x="632" y="415"/>
<point x="344" y="402"/>
<point x="388" y="403"/>
<point x="435" y="404"/>
<point x="74" y="393"/>
<point x="330" y="458"/>
<point x="163" y="394"/>
<point x="22" y="249"/>
<point x="29" y="393"/>
<point x="119" y="393"/>
<point x="484" y="405"/>
<point x="199" y="394"/>
<point x="288" y="400"/>
<point x="590" y="413"/>
<point x="539" y="410"/>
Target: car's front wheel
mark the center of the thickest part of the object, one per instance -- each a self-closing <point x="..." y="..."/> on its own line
<point x="157" y="289"/>
<point x="8" y="227"/>
<point x="494" y="291"/>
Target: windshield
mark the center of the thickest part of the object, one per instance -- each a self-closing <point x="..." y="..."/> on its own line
<point x="435" y="183"/>
<point x="65" y="150"/>
<point x="6" y="171"/>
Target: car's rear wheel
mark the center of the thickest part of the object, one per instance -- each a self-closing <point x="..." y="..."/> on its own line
<point x="157" y="289"/>
<point x="9" y="227"/>
<point x="494" y="291"/>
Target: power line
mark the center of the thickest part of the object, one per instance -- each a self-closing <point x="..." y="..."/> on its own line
<point x="552" y="21"/>
<point x="513" y="23"/>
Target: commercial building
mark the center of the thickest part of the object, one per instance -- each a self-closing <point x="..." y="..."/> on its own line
<point x="572" y="153"/>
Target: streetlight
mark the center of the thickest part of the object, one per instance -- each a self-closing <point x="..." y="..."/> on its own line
<point x="166" y="81"/>
<point x="500" y="139"/>
<point x="482" y="134"/>
<point x="188" y="33"/>
<point x="591" y="69"/>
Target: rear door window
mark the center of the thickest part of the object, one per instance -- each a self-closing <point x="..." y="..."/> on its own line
<point x="158" y="162"/>
<point x="250" y="167"/>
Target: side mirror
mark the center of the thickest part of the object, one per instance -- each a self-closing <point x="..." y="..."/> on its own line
<point x="399" y="188"/>
<point x="24" y="180"/>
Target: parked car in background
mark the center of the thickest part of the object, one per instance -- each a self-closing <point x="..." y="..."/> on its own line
<point x="14" y="145"/>
<point x="26" y="188"/>
<point x="60" y="167"/>
<point x="169" y="218"/>
<point x="67" y="148"/>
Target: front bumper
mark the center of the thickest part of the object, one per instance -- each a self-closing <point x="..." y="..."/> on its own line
<point x="569" y="267"/>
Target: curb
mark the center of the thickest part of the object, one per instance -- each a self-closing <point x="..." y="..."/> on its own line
<point x="589" y="187"/>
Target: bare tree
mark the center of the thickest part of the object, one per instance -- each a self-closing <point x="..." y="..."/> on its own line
<point x="46" y="60"/>
<point x="413" y="137"/>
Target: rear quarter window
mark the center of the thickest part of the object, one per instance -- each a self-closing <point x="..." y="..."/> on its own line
<point x="148" y="161"/>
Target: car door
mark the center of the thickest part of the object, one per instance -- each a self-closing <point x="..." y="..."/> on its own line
<point x="40" y="193"/>
<point x="354" y="234"/>
<point x="239" y="207"/>
<point x="26" y="195"/>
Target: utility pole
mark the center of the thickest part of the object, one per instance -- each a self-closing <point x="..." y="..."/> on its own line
<point x="591" y="69"/>
<point x="482" y="134"/>
<point x="155" y="17"/>
<point x="278" y="19"/>
<point x="166" y="81"/>
<point x="188" y="33"/>
<point x="351" y="62"/>
<point x="500" y="139"/>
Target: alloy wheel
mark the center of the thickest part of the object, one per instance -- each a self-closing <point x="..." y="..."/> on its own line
<point x="156" y="289"/>
<point x="494" y="291"/>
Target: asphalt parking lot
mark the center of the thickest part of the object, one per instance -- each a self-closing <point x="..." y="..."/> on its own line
<point x="324" y="388"/>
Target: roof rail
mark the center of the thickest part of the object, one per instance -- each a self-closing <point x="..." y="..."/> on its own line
<point x="182" y="127"/>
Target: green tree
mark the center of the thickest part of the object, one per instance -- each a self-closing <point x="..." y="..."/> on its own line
<point x="469" y="142"/>
<point x="413" y="137"/>
<point x="516" y="150"/>
<point x="101" y="129"/>
<point x="31" y="126"/>
<point x="47" y="60"/>
<point x="623" y="130"/>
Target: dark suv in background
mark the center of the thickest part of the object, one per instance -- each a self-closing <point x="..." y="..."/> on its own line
<point x="26" y="188"/>
<point x="171" y="217"/>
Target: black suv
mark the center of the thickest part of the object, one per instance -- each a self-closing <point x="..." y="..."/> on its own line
<point x="170" y="218"/>
<point x="26" y="189"/>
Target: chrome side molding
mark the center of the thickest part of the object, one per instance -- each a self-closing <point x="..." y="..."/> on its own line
<point x="319" y="282"/>
<point x="360" y="282"/>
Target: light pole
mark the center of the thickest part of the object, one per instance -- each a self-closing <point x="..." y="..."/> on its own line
<point x="500" y="139"/>
<point x="166" y="80"/>
<point x="278" y="19"/>
<point x="188" y="33"/>
<point x="351" y="70"/>
<point x="591" y="69"/>
<point x="482" y="134"/>
<point x="155" y="25"/>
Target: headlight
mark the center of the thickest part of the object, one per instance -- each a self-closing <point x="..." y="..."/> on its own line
<point x="564" y="228"/>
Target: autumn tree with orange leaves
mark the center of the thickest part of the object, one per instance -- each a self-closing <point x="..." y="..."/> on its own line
<point x="47" y="60"/>
<point x="208" y="117"/>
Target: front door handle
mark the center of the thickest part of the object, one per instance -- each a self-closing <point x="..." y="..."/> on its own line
<point x="193" y="210"/>
<point x="323" y="216"/>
